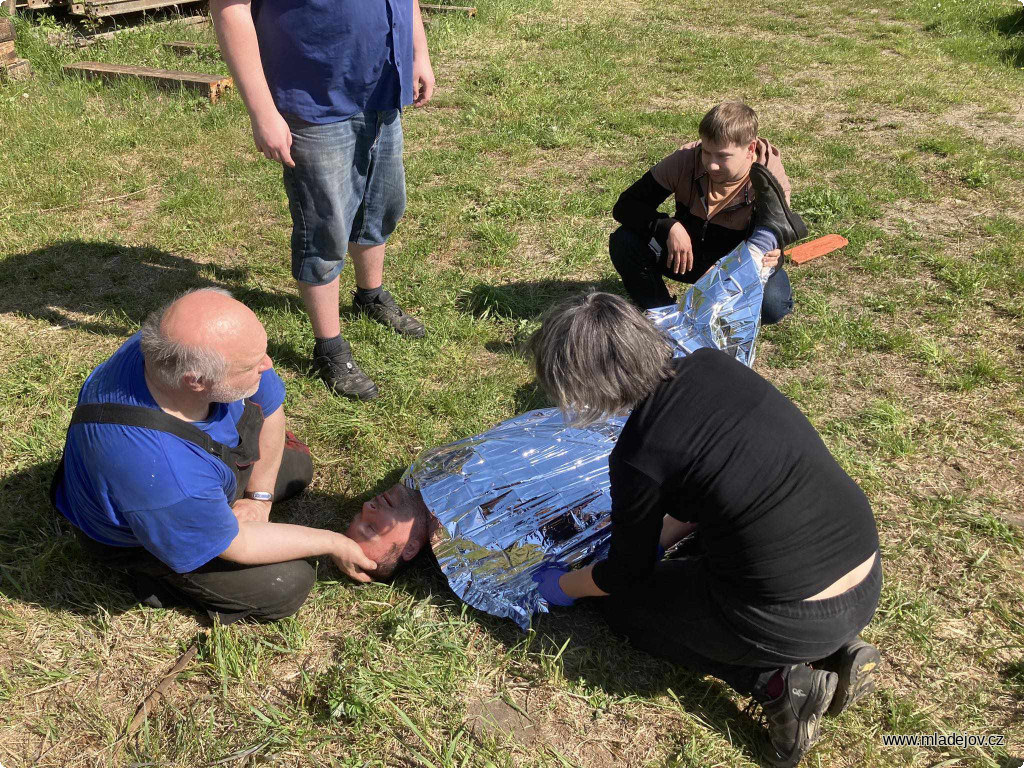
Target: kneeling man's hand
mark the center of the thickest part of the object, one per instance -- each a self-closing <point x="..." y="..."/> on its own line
<point x="771" y="259"/>
<point x="251" y="510"/>
<point x="351" y="560"/>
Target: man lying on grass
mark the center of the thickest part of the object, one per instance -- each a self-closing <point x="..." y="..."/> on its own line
<point x="177" y="451"/>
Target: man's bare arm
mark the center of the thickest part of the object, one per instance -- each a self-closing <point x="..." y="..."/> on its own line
<point x="259" y="543"/>
<point x="422" y="71"/>
<point x="264" y="471"/>
<point x="240" y="48"/>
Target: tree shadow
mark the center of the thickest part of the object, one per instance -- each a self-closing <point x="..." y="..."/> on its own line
<point x="580" y="643"/>
<point x="527" y="300"/>
<point x="115" y="285"/>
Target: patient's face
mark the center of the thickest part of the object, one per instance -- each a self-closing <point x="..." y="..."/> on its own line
<point x="383" y="528"/>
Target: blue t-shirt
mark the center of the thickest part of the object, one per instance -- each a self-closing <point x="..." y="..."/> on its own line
<point x="131" y="486"/>
<point x="327" y="60"/>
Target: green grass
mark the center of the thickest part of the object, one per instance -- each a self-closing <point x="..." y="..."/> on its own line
<point x="901" y="129"/>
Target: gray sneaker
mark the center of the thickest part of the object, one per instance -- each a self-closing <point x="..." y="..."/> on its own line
<point x="385" y="310"/>
<point x="855" y="664"/>
<point x="794" y="719"/>
<point x="342" y="376"/>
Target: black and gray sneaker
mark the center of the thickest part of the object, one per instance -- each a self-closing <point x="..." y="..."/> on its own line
<point x="385" y="310"/>
<point x="794" y="719"/>
<point x="342" y="376"/>
<point x="855" y="664"/>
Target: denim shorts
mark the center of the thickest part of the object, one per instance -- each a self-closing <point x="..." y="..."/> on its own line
<point x="348" y="185"/>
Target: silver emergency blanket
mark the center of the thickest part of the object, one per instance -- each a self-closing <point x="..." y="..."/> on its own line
<point x="721" y="311"/>
<point x="533" y="492"/>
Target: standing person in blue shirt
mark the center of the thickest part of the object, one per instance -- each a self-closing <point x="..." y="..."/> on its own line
<point x="177" y="450"/>
<point x="325" y="82"/>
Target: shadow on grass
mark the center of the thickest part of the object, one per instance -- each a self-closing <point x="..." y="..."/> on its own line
<point x="121" y="284"/>
<point x="1012" y="26"/>
<point x="527" y="300"/>
<point x="42" y="563"/>
<point x="580" y="644"/>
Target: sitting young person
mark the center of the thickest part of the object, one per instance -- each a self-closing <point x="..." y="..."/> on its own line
<point x="177" y="451"/>
<point x="715" y="196"/>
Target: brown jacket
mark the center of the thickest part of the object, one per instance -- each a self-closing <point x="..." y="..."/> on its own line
<point x="684" y="175"/>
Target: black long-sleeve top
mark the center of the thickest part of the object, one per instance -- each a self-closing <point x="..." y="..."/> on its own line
<point x="719" y="446"/>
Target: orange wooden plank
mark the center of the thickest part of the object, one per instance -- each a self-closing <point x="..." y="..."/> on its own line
<point x="817" y="247"/>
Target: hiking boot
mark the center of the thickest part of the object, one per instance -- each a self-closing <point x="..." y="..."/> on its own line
<point x="855" y="664"/>
<point x="771" y="210"/>
<point x="385" y="310"/>
<point x="342" y="376"/>
<point x="794" y="719"/>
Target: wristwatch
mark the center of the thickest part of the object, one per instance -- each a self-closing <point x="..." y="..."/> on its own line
<point x="259" y="495"/>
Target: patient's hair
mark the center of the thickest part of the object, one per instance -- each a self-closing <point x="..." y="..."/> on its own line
<point x="731" y="122"/>
<point x="596" y="355"/>
<point x="392" y="563"/>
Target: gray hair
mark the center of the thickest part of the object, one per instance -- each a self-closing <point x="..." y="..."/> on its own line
<point x="596" y="355"/>
<point x="168" y="360"/>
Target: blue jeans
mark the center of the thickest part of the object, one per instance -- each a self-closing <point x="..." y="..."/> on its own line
<point x="348" y="185"/>
<point x="640" y="263"/>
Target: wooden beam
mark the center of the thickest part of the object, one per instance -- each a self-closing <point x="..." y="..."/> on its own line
<point x="211" y="86"/>
<point x="187" y="48"/>
<point x="466" y="9"/>
<point x="188" y="21"/>
<point x="95" y="9"/>
<point x="7" y="52"/>
<point x="9" y="5"/>
<point x="19" y="69"/>
<point x="6" y="30"/>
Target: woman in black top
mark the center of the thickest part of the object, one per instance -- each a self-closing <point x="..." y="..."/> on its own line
<point x="787" y="570"/>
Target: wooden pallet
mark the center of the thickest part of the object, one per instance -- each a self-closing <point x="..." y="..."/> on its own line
<point x="211" y="86"/>
<point x="36" y="4"/>
<point x="100" y="8"/>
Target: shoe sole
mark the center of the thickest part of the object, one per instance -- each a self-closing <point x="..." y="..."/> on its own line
<point x="811" y="715"/>
<point x="794" y="219"/>
<point x="856" y="679"/>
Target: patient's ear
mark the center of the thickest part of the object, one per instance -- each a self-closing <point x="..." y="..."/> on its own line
<point x="412" y="548"/>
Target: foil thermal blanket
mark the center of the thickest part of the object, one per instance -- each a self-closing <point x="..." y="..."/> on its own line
<point x="533" y="491"/>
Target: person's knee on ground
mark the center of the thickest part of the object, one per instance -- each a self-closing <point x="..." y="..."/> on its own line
<point x="259" y="593"/>
<point x="778" y="298"/>
<point x="636" y="262"/>
<point x="296" y="472"/>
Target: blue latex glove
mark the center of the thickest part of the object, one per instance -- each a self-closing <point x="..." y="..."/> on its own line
<point x="547" y="584"/>
<point x="661" y="552"/>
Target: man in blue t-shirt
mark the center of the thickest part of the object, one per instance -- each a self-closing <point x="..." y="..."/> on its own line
<point x="176" y="452"/>
<point x="325" y="82"/>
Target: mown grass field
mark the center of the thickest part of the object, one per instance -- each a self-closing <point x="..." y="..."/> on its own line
<point x="902" y="127"/>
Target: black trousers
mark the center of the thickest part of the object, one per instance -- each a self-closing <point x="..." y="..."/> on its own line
<point x="685" y="620"/>
<point x="641" y="264"/>
<point x="227" y="591"/>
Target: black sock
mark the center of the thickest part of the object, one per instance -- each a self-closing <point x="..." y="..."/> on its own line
<point x="368" y="295"/>
<point x="334" y="346"/>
